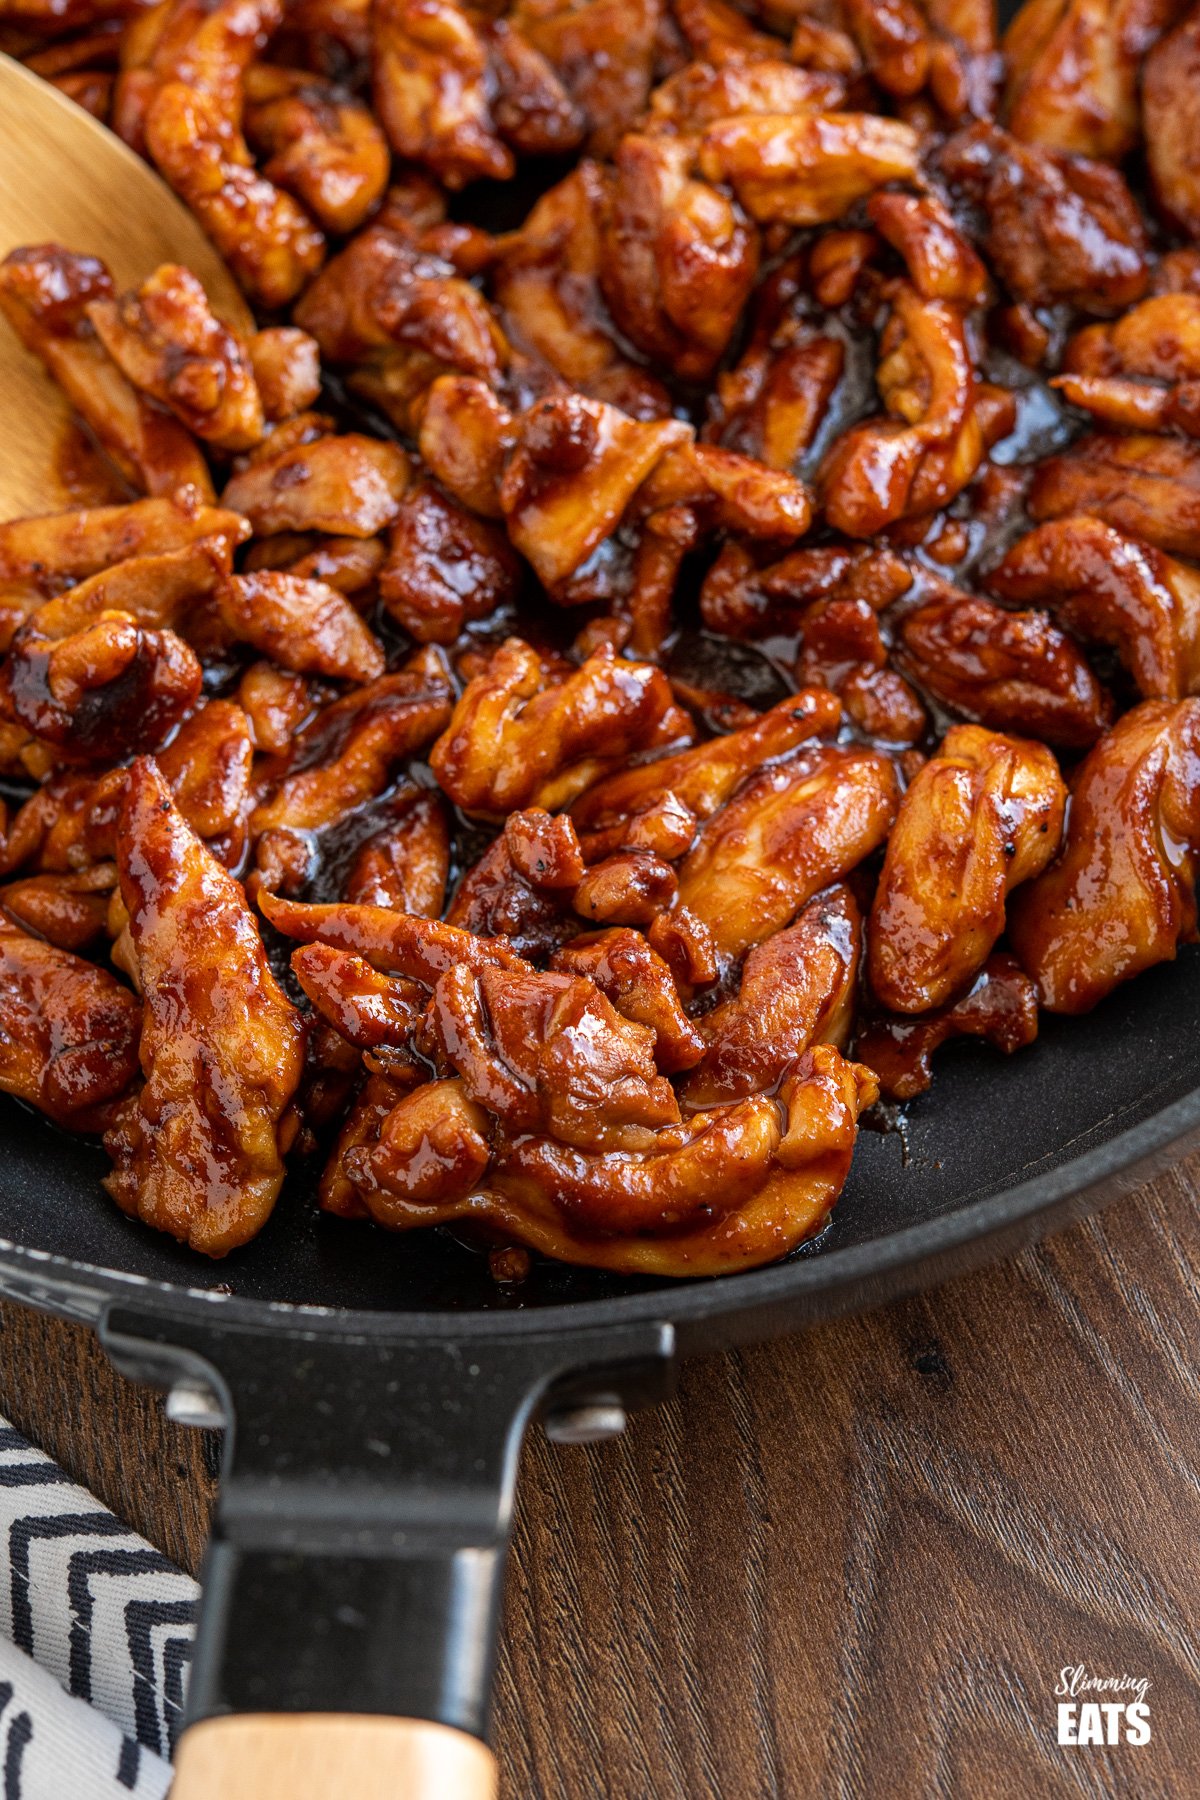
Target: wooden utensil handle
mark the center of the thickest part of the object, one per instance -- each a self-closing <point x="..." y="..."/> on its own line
<point x="330" y="1756"/>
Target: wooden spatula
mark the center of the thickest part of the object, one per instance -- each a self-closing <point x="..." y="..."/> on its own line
<point x="65" y="179"/>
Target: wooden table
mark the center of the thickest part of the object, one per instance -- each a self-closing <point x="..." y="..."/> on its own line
<point x="848" y="1564"/>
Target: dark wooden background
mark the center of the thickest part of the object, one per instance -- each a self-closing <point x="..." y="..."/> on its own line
<point x="849" y="1564"/>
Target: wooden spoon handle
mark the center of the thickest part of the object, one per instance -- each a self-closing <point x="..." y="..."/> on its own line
<point x="330" y="1756"/>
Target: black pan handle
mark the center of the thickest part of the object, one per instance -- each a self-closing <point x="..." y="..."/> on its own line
<point x="355" y="1568"/>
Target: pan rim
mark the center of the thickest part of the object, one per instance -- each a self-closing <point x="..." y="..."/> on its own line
<point x="84" y="1290"/>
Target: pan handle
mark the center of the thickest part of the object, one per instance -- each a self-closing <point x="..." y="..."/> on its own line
<point x="309" y="1756"/>
<point x="352" y="1584"/>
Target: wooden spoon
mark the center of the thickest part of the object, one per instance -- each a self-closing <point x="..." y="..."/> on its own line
<point x="66" y="179"/>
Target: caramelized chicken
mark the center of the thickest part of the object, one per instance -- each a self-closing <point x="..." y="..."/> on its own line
<point x="321" y="145"/>
<point x="45" y="294"/>
<point x="1122" y="895"/>
<point x="790" y="831"/>
<point x="703" y="778"/>
<point x="692" y="352"/>
<point x="1171" y="127"/>
<point x="1008" y="671"/>
<point x="1146" y="486"/>
<point x="68" y="1031"/>
<point x="797" y="989"/>
<point x="575" y="467"/>
<point x="168" y="343"/>
<point x="1143" y="372"/>
<point x="445" y="568"/>
<point x="525" y="733"/>
<point x="1108" y="587"/>
<point x="807" y="170"/>
<point x="198" y="1151"/>
<point x="1060" y="228"/>
<point x="108" y="688"/>
<point x="999" y="1006"/>
<point x="925" y="453"/>
<point x="351" y="486"/>
<point x="192" y="128"/>
<point x="630" y="973"/>
<point x="678" y="259"/>
<point x="1073" y="72"/>
<point x="720" y="1191"/>
<point x="407" y="864"/>
<point x="982" y="815"/>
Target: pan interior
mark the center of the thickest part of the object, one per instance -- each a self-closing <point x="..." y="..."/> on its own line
<point x="987" y="1123"/>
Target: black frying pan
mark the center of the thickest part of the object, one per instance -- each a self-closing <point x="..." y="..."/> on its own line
<point x="376" y="1388"/>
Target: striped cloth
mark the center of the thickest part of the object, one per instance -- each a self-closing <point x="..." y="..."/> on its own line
<point x="95" y="1642"/>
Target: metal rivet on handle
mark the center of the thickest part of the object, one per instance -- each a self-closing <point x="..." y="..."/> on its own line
<point x="194" y="1403"/>
<point x="590" y="1423"/>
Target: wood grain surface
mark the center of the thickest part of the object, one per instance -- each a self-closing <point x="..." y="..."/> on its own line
<point x="848" y="1564"/>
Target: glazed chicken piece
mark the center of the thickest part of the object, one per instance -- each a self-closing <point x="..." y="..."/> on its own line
<point x="45" y="294"/>
<point x="722" y="1190"/>
<point x="384" y="298"/>
<point x="1108" y="587"/>
<point x="548" y="1053"/>
<point x="982" y="815"/>
<point x="366" y="1008"/>
<point x="1143" y="372"/>
<point x="790" y="831"/>
<point x="1059" y="228"/>
<point x="575" y="467"/>
<point x="407" y="864"/>
<point x="465" y="435"/>
<point x="744" y="598"/>
<point x="69" y="911"/>
<point x="771" y="405"/>
<point x="842" y="649"/>
<point x="797" y="989"/>
<point x="392" y="942"/>
<point x="430" y="88"/>
<point x="531" y="107"/>
<point x="1073" y="68"/>
<point x="603" y="52"/>
<point x="946" y="46"/>
<point x="168" y="343"/>
<point x="1172" y="130"/>
<point x="522" y="885"/>
<point x="302" y="625"/>
<point x="349" y="754"/>
<point x="546" y="283"/>
<point x="445" y="568"/>
<point x="336" y="1193"/>
<point x="703" y="778"/>
<point x="193" y="96"/>
<point x="1121" y="896"/>
<point x="703" y="92"/>
<point x="940" y="262"/>
<point x="1008" y="671"/>
<point x="319" y="144"/>
<point x="159" y="591"/>
<point x="630" y="973"/>
<point x="678" y="258"/>
<point x="350" y="486"/>
<point x="68" y="1031"/>
<point x="198" y="1151"/>
<point x="923" y="455"/>
<point x="527" y="733"/>
<point x="1146" y="486"/>
<point x="110" y="688"/>
<point x="207" y="766"/>
<point x="807" y="170"/>
<point x="1000" y="1006"/>
<point x="53" y="551"/>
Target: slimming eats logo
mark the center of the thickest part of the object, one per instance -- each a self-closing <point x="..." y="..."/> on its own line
<point x="1101" y="1709"/>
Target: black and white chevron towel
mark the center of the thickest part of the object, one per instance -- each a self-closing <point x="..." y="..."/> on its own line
<point x="95" y="1640"/>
